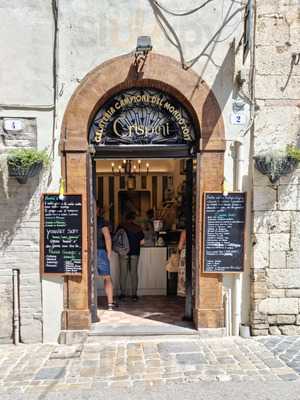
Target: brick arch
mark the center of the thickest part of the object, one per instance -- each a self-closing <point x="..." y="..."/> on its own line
<point x="162" y="73"/>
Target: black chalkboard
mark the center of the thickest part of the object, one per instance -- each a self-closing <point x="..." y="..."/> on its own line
<point x="224" y="218"/>
<point x="62" y="234"/>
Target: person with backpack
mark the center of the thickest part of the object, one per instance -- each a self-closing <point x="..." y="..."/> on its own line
<point x="104" y="247"/>
<point x="132" y="237"/>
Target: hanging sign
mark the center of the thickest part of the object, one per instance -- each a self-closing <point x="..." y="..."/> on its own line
<point x="224" y="226"/>
<point x="61" y="241"/>
<point x="142" y="116"/>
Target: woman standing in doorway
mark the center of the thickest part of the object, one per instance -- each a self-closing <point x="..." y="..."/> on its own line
<point x="104" y="246"/>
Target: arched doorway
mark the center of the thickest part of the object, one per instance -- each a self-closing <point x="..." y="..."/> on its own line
<point x="159" y="73"/>
<point x="137" y="124"/>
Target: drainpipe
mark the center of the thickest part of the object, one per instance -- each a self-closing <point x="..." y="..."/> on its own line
<point x="228" y="312"/>
<point x="237" y="289"/>
<point x="239" y="164"/>
<point x="16" y="305"/>
<point x="237" y="302"/>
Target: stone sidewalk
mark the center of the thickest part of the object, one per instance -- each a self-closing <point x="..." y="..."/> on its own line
<point x="146" y="361"/>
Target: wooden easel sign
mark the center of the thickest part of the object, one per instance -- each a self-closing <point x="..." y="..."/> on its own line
<point x="224" y="232"/>
<point x="61" y="234"/>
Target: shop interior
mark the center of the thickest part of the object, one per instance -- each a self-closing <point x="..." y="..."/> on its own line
<point x="141" y="185"/>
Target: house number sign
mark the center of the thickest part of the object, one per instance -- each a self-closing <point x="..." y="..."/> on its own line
<point x="142" y="116"/>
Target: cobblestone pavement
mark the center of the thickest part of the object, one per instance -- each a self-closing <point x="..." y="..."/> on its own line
<point x="287" y="348"/>
<point x="128" y="362"/>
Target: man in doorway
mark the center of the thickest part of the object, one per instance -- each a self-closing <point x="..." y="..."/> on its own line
<point x="149" y="228"/>
<point x="129" y="262"/>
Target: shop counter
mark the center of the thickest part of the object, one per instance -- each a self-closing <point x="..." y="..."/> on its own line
<point x="151" y="270"/>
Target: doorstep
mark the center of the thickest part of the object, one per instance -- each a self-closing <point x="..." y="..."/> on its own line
<point x="70" y="337"/>
<point x="141" y="329"/>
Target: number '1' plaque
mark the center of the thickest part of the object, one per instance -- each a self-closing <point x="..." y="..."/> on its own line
<point x="62" y="234"/>
<point x="224" y="218"/>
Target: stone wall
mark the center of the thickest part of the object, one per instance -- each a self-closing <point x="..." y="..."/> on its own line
<point x="6" y="306"/>
<point x="26" y="81"/>
<point x="19" y="240"/>
<point x="275" y="270"/>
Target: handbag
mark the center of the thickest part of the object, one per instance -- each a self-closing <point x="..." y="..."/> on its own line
<point x="173" y="263"/>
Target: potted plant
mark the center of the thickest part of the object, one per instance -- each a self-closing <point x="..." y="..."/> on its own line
<point x="277" y="163"/>
<point x="26" y="162"/>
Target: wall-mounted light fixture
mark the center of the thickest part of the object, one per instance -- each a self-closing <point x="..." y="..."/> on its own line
<point x="296" y="58"/>
<point x="225" y="187"/>
<point x="294" y="61"/>
<point x="61" y="195"/>
<point x="143" y="47"/>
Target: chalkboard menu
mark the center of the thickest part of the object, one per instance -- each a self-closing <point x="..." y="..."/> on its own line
<point x="62" y="234"/>
<point x="224" y="218"/>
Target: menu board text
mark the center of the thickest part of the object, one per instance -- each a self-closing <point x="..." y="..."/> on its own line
<point x="62" y="234"/>
<point x="224" y="232"/>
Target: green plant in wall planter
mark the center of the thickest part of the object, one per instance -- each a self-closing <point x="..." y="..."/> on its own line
<point x="293" y="152"/>
<point x="26" y="162"/>
<point x="277" y="163"/>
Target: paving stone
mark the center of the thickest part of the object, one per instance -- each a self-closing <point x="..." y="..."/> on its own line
<point x="166" y="356"/>
<point x="120" y="371"/>
<point x="251" y="372"/>
<point x="289" y="377"/>
<point x="149" y="348"/>
<point x="121" y="384"/>
<point x="135" y="358"/>
<point x="178" y="347"/>
<point x="87" y="372"/>
<point x="90" y="363"/>
<point x="190" y="358"/>
<point x="120" y="378"/>
<point x="273" y="363"/>
<point x="171" y="374"/>
<point x="193" y="373"/>
<point x="225" y="360"/>
<point x="153" y="356"/>
<point x="223" y="378"/>
<point x="153" y="363"/>
<point x="213" y="371"/>
<point x="135" y="370"/>
<point x="50" y="373"/>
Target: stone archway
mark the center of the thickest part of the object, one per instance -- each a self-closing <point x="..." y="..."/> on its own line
<point x="163" y="73"/>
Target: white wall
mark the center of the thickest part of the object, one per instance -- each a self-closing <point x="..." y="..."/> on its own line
<point x="91" y="32"/>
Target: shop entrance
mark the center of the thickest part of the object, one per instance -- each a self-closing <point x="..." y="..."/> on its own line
<point x="183" y="103"/>
<point x="161" y="192"/>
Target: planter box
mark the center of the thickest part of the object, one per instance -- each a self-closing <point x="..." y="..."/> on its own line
<point x="21" y="173"/>
<point x="275" y="168"/>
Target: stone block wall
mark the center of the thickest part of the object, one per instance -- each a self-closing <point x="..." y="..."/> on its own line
<point x="19" y="240"/>
<point x="275" y="273"/>
<point x="276" y="259"/>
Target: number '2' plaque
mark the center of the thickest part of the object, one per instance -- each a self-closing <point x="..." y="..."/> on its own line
<point x="62" y="234"/>
<point x="224" y="218"/>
